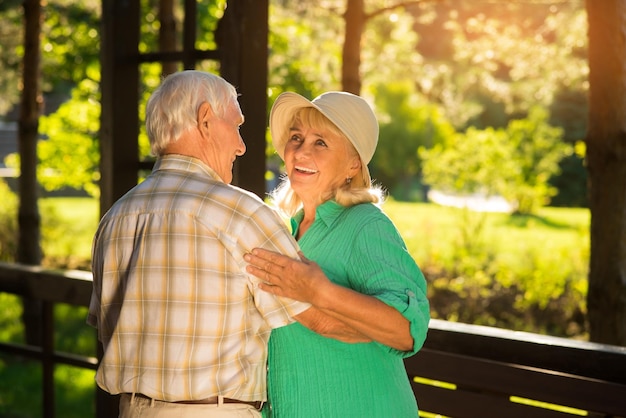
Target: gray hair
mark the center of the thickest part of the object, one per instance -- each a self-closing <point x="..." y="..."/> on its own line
<point x="173" y="107"/>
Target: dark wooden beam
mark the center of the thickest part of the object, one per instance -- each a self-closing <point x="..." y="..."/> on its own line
<point x="242" y="38"/>
<point x="119" y="122"/>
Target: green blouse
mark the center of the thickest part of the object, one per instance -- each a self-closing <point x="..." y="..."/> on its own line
<point x="311" y="376"/>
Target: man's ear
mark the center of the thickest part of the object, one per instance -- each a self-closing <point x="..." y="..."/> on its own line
<point x="205" y="113"/>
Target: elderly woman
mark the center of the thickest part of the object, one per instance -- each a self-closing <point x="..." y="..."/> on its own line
<point x="354" y="267"/>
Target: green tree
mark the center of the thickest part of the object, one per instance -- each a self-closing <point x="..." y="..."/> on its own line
<point x="476" y="161"/>
<point x="8" y="223"/>
<point x="11" y="46"/>
<point x="538" y="149"/>
<point x="70" y="156"/>
<point x="406" y="124"/>
<point x="489" y="62"/>
<point x="515" y="162"/>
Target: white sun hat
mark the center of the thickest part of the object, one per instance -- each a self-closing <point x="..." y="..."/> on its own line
<point x="350" y="113"/>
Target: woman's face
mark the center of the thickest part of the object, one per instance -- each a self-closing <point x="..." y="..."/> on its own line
<point x="317" y="162"/>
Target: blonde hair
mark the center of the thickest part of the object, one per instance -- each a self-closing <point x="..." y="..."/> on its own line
<point x="348" y="194"/>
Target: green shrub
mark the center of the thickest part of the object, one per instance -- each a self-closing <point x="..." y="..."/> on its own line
<point x="520" y="272"/>
<point x="8" y="223"/>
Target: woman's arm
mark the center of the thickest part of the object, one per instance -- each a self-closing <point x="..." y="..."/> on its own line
<point x="305" y="281"/>
<point x="330" y="327"/>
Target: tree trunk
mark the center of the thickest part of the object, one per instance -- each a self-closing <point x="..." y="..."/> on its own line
<point x="29" y="250"/>
<point x="606" y="163"/>
<point x="351" y="55"/>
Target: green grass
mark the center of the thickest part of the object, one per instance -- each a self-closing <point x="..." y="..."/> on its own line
<point x="68" y="228"/>
<point x="68" y="225"/>
<point x="530" y="271"/>
<point x="543" y="258"/>
<point x="434" y="233"/>
<point x="74" y="387"/>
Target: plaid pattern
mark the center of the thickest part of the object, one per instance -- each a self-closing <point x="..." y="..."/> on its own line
<point x="178" y="316"/>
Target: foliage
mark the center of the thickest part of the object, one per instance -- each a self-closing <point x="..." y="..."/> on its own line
<point x="569" y="110"/>
<point x="11" y="38"/>
<point x="70" y="155"/>
<point x="292" y="65"/>
<point x="515" y="162"/>
<point x="571" y="183"/>
<point x="499" y="270"/>
<point x="407" y="124"/>
<point x="8" y="223"/>
<point x="489" y="62"/>
<point x="483" y="64"/>
<point x="537" y="152"/>
<point x="486" y="268"/>
<point x="70" y="43"/>
<point x="67" y="224"/>
<point x="390" y="49"/>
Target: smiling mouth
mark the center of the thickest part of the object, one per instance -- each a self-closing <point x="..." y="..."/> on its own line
<point x="305" y="170"/>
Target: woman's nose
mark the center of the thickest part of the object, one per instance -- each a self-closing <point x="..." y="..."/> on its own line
<point x="302" y="151"/>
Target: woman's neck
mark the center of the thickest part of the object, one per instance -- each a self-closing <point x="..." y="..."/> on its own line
<point x="307" y="220"/>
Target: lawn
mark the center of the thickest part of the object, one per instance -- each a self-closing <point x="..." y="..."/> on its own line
<point x="432" y="233"/>
<point x="68" y="227"/>
<point x="527" y="273"/>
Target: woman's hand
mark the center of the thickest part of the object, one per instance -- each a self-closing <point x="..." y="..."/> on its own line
<point x="305" y="281"/>
<point x="301" y="280"/>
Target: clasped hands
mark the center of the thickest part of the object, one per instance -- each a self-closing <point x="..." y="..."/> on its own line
<point x="302" y="280"/>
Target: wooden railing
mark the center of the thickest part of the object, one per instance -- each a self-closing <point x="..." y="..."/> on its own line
<point x="51" y="287"/>
<point x="462" y="371"/>
<point x="475" y="371"/>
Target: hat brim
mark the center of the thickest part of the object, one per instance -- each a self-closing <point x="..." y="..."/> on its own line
<point x="281" y="115"/>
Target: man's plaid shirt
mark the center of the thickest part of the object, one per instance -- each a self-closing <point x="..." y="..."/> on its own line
<point x="179" y="317"/>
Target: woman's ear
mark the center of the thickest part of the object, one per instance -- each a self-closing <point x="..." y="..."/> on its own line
<point x="355" y="166"/>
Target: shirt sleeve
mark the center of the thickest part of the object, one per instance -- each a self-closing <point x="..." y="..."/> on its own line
<point x="382" y="267"/>
<point x="266" y="230"/>
<point x="96" y="268"/>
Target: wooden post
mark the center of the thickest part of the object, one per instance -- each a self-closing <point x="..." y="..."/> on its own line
<point x="242" y="38"/>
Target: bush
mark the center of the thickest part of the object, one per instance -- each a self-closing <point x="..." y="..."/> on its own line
<point x="530" y="289"/>
<point x="8" y="223"/>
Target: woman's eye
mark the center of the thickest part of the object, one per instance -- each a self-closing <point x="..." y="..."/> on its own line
<point x="320" y="142"/>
